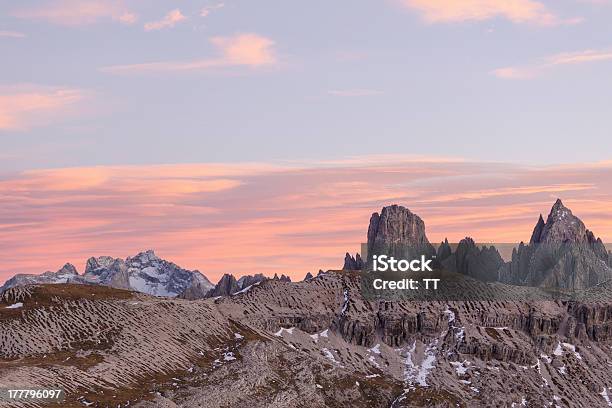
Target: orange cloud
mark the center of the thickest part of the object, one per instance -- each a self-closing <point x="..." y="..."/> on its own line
<point x="241" y="50"/>
<point x="170" y="20"/>
<point x="78" y="12"/>
<point x="535" y="69"/>
<point x="26" y="106"/>
<point x="517" y="11"/>
<point x="290" y="218"/>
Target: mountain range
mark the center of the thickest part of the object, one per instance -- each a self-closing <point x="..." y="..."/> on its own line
<point x="145" y="273"/>
<point x="562" y="253"/>
<point x="318" y="342"/>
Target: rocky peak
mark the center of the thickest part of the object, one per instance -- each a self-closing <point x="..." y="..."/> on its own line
<point x="352" y="264"/>
<point x="282" y="278"/>
<point x="537" y="230"/>
<point x="226" y="286"/>
<point x="68" y="269"/>
<point x="469" y="259"/>
<point x="145" y="257"/>
<point x="444" y="250"/>
<point x="308" y="277"/>
<point x="94" y="264"/>
<point x="560" y="226"/>
<point x="396" y="225"/>
<point x="562" y="253"/>
<point x="248" y="280"/>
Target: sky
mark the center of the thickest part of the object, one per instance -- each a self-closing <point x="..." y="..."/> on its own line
<point x="222" y="134"/>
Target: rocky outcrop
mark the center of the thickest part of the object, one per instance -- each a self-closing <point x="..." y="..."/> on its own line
<point x="352" y="263"/>
<point x="199" y="288"/>
<point x="227" y="285"/>
<point x="561" y="253"/>
<point x="398" y="232"/>
<point x="249" y="280"/>
<point x="396" y="225"/>
<point x="308" y="277"/>
<point x="282" y="278"/>
<point x="478" y="263"/>
<point x="444" y="251"/>
<point x="108" y="271"/>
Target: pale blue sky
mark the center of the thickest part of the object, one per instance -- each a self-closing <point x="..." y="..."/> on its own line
<point x="330" y="79"/>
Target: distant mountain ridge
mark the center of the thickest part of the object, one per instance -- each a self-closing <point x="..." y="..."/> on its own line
<point x="145" y="272"/>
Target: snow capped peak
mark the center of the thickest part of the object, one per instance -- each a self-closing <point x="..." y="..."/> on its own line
<point x="145" y="272"/>
<point x="145" y="257"/>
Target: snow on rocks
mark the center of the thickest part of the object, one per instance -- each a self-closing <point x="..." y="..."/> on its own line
<point x="417" y="373"/>
<point x="572" y="348"/>
<point x="461" y="367"/>
<point x="315" y="337"/>
<point x="327" y="353"/>
<point x="606" y="397"/>
<point x="15" y="306"/>
<point x="282" y="330"/>
<point x="346" y="302"/>
<point x="375" y="349"/>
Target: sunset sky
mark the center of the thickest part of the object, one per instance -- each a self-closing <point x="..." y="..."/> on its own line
<point x="243" y="136"/>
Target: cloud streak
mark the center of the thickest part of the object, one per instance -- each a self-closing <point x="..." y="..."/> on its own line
<point x="78" y="12"/>
<point x="26" y="106"/>
<point x="285" y="218"/>
<point x="516" y="11"/>
<point x="170" y="20"/>
<point x="12" y="34"/>
<point x="356" y="92"/>
<point x="240" y="50"/>
<point x="206" y="11"/>
<point x="538" y="68"/>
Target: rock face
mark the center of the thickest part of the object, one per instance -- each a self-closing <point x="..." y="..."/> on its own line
<point x="67" y="274"/>
<point x="561" y="253"/>
<point x="145" y="272"/>
<point x="479" y="263"/>
<point x="228" y="285"/>
<point x="444" y="251"/>
<point x="108" y="271"/>
<point x="308" y="277"/>
<point x="248" y="280"/>
<point x="200" y="286"/>
<point x="395" y="231"/>
<point x="396" y="225"/>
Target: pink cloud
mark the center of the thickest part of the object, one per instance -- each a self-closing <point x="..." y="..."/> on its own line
<point x="26" y="106"/>
<point x="12" y="34"/>
<point x="78" y="12"/>
<point x="537" y="68"/>
<point x="516" y="11"/>
<point x="291" y="218"/>
<point x="241" y="50"/>
<point x="170" y="20"/>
